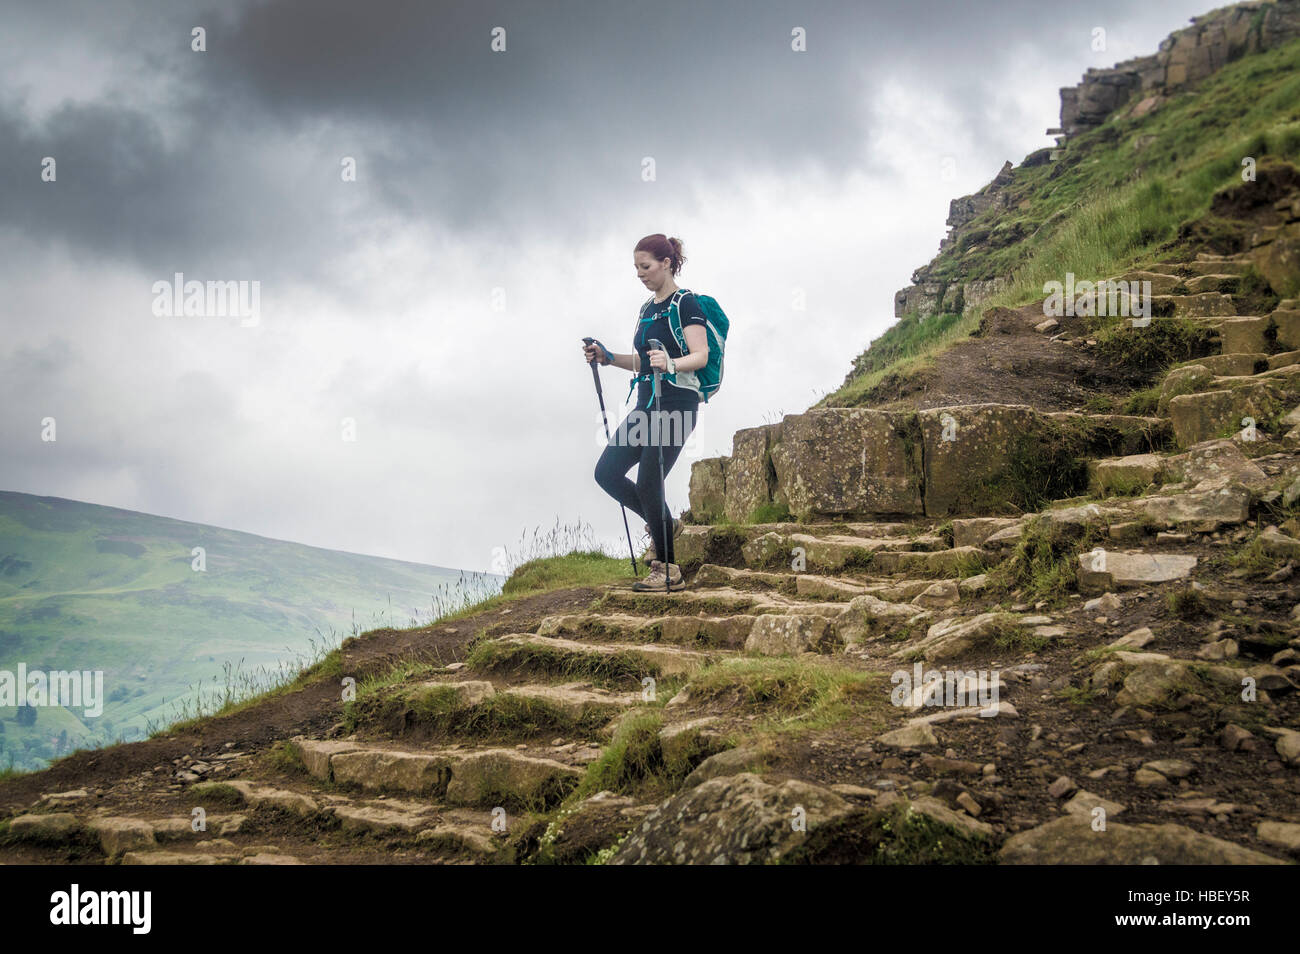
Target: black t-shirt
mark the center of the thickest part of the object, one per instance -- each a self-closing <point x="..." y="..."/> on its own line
<point x="653" y="323"/>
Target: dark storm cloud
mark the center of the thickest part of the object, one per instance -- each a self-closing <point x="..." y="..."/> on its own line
<point x="546" y="136"/>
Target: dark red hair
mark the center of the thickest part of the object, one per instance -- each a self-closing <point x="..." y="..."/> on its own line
<point x="661" y="247"/>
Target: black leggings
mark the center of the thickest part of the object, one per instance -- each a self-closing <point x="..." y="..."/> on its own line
<point x="637" y="441"/>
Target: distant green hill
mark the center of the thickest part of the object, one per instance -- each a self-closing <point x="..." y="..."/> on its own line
<point x="87" y="587"/>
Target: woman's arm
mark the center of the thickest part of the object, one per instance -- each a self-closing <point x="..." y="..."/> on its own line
<point x="595" y="351"/>
<point x="697" y="348"/>
<point x="628" y="362"/>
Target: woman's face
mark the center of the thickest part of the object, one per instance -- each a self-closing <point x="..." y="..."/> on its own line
<point x="651" y="271"/>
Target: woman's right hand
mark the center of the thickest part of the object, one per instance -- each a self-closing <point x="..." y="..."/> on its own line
<point x="594" y="352"/>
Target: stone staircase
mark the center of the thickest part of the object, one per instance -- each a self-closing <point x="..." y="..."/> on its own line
<point x="447" y="767"/>
<point x="901" y="552"/>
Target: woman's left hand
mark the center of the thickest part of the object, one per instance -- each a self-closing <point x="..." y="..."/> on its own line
<point x="658" y="360"/>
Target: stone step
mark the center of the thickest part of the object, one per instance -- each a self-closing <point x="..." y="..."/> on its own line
<point x="714" y="574"/>
<point x="1221" y="282"/>
<point x="830" y="552"/>
<point x="956" y="461"/>
<point x="703" y="600"/>
<point x="1245" y="334"/>
<point x="1216" y="257"/>
<point x="177" y="858"/>
<point x="974" y="531"/>
<point x="1161" y="282"/>
<point x="1234" y="364"/>
<point x="712" y="601"/>
<point x="1104" y="571"/>
<point x="1202" y="305"/>
<point x="462" y="777"/>
<point x="1192" y="269"/>
<point x="576" y="699"/>
<point x="814" y="586"/>
<point x="951" y="562"/>
<point x="118" y="834"/>
<point x="1223" y="406"/>
<point x="708" y="543"/>
<point x="1164" y="283"/>
<point x="1121" y="475"/>
<point x="616" y="662"/>
<point x="455" y="830"/>
<point x="1206" y="488"/>
<point x="728" y="632"/>
<point x="478" y="708"/>
<point x="1214" y="465"/>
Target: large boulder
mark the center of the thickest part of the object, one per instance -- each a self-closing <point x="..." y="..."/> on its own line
<point x="775" y="634"/>
<point x="1072" y="841"/>
<point x="708" y="490"/>
<point x="736" y="819"/>
<point x="969" y="452"/>
<point x="847" y="462"/>
<point x="1279" y="260"/>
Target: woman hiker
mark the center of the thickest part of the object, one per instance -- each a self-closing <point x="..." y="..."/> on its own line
<point x="658" y="259"/>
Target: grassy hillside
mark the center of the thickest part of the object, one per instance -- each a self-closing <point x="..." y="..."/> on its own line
<point x="88" y="587"/>
<point x="1132" y="189"/>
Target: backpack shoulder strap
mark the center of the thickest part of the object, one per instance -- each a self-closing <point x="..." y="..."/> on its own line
<point x="675" y="317"/>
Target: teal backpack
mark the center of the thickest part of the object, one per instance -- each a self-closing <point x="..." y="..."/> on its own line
<point x="707" y="380"/>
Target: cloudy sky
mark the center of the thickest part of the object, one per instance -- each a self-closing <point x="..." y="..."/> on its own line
<point x="437" y="299"/>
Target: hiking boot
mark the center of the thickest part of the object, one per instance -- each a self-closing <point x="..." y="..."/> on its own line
<point x="677" y="532"/>
<point x="655" y="581"/>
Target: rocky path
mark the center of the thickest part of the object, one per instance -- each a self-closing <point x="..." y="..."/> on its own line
<point x="1117" y="669"/>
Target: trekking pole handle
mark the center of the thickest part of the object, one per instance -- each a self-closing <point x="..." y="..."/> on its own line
<point x="604" y="352"/>
<point x="655" y="345"/>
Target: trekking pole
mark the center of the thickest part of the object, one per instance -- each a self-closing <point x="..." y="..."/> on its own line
<point x="600" y="396"/>
<point x="657" y="345"/>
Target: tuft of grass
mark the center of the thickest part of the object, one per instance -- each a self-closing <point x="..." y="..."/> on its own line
<point x="633" y="759"/>
<point x="1044" y="563"/>
<point x="1077" y="696"/>
<point x="618" y="668"/>
<point x="1251" y="560"/>
<point x="1186" y="603"/>
<point x="792" y="694"/>
<point x="285" y="758"/>
<point x="1123" y="485"/>
<point x="579" y="568"/>
<point x="770" y="512"/>
<point x="1159" y="345"/>
<point x="971" y="564"/>
<point x="1018" y="639"/>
